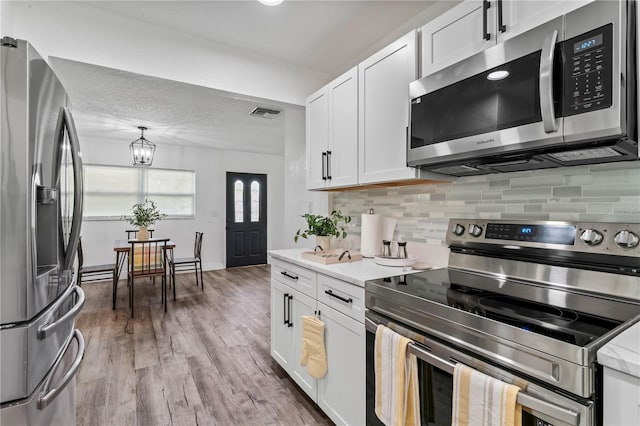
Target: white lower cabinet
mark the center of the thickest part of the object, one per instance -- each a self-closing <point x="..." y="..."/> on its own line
<point x="341" y="392"/>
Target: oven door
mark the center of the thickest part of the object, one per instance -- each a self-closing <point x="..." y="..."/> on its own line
<point x="436" y="361"/>
<point x="504" y="99"/>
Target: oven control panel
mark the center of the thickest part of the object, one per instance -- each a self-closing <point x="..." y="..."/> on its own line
<point x="588" y="237"/>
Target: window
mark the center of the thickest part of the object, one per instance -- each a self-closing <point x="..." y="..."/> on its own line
<point x="238" y="201"/>
<point x="110" y="191"/>
<point x="255" y="201"/>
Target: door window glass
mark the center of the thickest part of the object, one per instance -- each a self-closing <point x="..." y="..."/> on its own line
<point x="255" y="201"/>
<point x="238" y="197"/>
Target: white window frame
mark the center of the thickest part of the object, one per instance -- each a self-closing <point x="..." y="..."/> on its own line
<point x="143" y="193"/>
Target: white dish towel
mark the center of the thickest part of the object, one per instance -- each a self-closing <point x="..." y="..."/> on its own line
<point x="480" y="400"/>
<point x="396" y="372"/>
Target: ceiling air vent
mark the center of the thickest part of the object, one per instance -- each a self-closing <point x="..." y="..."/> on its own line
<point x="264" y="112"/>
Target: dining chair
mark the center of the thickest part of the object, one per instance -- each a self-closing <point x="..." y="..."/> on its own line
<point x="147" y="259"/>
<point x="132" y="234"/>
<point x="183" y="263"/>
<point x="98" y="272"/>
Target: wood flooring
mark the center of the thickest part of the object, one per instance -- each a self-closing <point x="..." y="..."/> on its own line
<point x="205" y="362"/>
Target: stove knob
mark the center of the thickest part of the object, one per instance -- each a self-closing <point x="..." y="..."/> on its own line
<point x="591" y="237"/>
<point x="475" y="230"/>
<point x="458" y="229"/>
<point x="626" y="239"/>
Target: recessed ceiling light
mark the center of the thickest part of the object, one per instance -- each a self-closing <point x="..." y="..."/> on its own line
<point x="498" y="75"/>
<point x="270" y="2"/>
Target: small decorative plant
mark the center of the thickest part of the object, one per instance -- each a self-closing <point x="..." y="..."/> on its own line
<point x="324" y="226"/>
<point x="144" y="214"/>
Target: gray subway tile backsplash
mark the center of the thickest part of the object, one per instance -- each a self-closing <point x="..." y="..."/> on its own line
<point x="601" y="193"/>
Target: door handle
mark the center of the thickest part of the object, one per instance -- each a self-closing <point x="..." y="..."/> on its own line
<point x="546" y="83"/>
<point x="324" y="159"/>
<point x="284" y="308"/>
<point x="46" y="330"/>
<point x="332" y="294"/>
<point x="485" y="6"/>
<point x="329" y="165"/>
<point x="289" y="305"/>
<point x="293" y="277"/>
<point x="48" y="394"/>
<point x="501" y="26"/>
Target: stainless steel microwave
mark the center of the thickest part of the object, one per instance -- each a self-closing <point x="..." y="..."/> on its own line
<point x="564" y="93"/>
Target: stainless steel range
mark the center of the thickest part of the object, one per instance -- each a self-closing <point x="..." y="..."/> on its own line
<point x="527" y="302"/>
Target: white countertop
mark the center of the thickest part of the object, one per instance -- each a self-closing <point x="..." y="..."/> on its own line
<point x="623" y="352"/>
<point x="353" y="272"/>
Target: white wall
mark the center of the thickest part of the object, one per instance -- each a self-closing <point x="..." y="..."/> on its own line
<point x="298" y="200"/>
<point x="74" y="30"/>
<point x="210" y="166"/>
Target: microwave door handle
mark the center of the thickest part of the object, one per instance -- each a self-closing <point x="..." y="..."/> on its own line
<point x="546" y="83"/>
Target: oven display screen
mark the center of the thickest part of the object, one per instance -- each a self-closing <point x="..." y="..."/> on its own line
<point x="548" y="234"/>
<point x="587" y="43"/>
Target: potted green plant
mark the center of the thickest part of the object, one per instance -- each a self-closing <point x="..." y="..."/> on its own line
<point x="324" y="227"/>
<point x="144" y="215"/>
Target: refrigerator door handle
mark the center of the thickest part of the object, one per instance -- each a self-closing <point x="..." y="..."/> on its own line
<point x="76" y="158"/>
<point x="48" y="393"/>
<point x="47" y="330"/>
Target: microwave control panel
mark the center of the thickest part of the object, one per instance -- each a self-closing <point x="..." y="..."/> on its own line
<point x="588" y="71"/>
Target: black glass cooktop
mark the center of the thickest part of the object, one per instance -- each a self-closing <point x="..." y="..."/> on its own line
<point x="571" y="317"/>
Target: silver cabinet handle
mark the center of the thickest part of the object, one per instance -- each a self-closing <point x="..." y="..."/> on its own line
<point x="47" y="330"/>
<point x="546" y="83"/>
<point x="48" y="394"/>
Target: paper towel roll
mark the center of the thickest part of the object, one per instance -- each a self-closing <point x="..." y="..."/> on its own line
<point x="375" y="228"/>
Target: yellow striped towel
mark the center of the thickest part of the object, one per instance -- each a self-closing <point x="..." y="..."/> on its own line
<point x="480" y="400"/>
<point x="396" y="373"/>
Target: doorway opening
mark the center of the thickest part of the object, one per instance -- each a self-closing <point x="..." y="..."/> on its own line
<point x="246" y="228"/>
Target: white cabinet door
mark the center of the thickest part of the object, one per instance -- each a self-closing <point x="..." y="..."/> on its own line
<point x="383" y="94"/>
<point x="343" y="130"/>
<point x="522" y="15"/>
<point x="456" y="35"/>
<point x="281" y="333"/>
<point x="341" y="393"/>
<point x="301" y="304"/>
<point x="317" y="120"/>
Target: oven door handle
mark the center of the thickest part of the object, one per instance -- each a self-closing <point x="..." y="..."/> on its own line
<point x="567" y="416"/>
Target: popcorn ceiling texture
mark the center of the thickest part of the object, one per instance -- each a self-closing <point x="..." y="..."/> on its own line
<point x="599" y="193"/>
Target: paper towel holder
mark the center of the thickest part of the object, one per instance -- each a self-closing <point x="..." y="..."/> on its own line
<point x="371" y="211"/>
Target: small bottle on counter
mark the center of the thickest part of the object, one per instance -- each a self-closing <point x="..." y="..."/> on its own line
<point x="386" y="248"/>
<point x="402" y="250"/>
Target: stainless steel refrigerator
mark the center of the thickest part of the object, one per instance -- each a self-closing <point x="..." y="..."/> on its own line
<point x="40" y="218"/>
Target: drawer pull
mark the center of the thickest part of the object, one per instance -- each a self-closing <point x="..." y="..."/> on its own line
<point x="330" y="293"/>
<point x="293" y="277"/>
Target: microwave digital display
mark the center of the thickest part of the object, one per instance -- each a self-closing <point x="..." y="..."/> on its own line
<point x="587" y="43"/>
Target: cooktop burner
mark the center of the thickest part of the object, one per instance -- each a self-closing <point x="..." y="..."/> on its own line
<point x="500" y="300"/>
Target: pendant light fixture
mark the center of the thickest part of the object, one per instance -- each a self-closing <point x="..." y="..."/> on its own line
<point x="142" y="150"/>
<point x="270" y="2"/>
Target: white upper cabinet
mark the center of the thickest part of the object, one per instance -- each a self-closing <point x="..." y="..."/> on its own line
<point x="384" y="112"/>
<point x="476" y="25"/>
<point x="342" y="153"/>
<point x="332" y="134"/>
<point x="453" y="36"/>
<point x="317" y="118"/>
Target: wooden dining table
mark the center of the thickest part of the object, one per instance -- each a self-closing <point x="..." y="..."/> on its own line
<point x="122" y="247"/>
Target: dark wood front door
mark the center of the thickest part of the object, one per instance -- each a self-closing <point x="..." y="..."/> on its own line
<point x="246" y="219"/>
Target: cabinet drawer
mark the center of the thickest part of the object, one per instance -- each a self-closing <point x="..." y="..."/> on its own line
<point x="341" y="296"/>
<point x="301" y="279"/>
